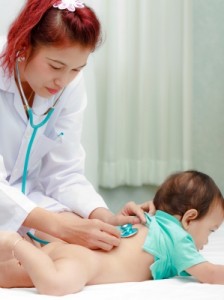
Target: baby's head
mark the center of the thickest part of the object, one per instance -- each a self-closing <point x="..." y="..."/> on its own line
<point x="194" y="199"/>
<point x="186" y="190"/>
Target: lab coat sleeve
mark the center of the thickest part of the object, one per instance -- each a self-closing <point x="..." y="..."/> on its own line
<point x="14" y="206"/>
<point x="62" y="174"/>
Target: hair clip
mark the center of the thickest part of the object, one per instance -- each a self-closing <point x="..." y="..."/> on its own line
<point x="70" y="5"/>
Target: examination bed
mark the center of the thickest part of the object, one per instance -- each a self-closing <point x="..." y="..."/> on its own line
<point x="175" y="288"/>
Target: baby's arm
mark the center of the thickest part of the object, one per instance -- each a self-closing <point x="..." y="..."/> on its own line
<point x="63" y="273"/>
<point x="207" y="272"/>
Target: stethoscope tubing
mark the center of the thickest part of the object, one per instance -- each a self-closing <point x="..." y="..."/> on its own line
<point x="27" y="158"/>
<point x="29" y="147"/>
<point x="35" y="128"/>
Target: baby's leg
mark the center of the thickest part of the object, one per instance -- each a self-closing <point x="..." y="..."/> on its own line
<point x="12" y="274"/>
<point x="70" y="268"/>
<point x="62" y="270"/>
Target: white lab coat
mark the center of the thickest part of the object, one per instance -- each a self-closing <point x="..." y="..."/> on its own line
<point x="56" y="178"/>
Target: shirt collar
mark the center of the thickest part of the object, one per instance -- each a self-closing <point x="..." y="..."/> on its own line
<point x="163" y="215"/>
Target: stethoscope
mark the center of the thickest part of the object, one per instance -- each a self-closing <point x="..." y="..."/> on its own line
<point x="126" y="230"/>
<point x="35" y="128"/>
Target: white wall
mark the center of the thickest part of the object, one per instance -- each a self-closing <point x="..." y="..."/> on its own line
<point x="9" y="9"/>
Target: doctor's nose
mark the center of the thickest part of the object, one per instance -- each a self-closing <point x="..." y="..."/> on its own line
<point x="62" y="81"/>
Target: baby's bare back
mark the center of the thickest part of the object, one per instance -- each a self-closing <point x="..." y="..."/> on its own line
<point x="127" y="262"/>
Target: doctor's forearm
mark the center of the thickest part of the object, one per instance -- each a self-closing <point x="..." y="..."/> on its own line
<point x="42" y="220"/>
<point x="102" y="214"/>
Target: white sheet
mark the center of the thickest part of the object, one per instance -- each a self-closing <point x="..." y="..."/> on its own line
<point x="175" y="288"/>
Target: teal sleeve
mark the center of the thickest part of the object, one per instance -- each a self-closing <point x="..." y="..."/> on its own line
<point x="186" y="255"/>
<point x="173" y="249"/>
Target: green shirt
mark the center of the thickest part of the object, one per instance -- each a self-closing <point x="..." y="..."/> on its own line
<point x="173" y="248"/>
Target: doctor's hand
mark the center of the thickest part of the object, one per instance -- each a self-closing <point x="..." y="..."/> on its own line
<point x="69" y="227"/>
<point x="136" y="211"/>
<point x="131" y="213"/>
<point x="91" y="233"/>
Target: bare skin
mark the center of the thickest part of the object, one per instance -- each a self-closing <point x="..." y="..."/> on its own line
<point x="83" y="266"/>
<point x="97" y="232"/>
<point x="60" y="268"/>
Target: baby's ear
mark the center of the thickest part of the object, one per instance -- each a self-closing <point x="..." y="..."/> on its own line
<point x="190" y="215"/>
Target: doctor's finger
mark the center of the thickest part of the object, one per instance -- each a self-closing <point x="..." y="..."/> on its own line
<point x="100" y="226"/>
<point x="133" y="209"/>
<point x="110" y="231"/>
<point x="100" y="245"/>
<point x="149" y="207"/>
<point x="105" y="241"/>
<point x="122" y="220"/>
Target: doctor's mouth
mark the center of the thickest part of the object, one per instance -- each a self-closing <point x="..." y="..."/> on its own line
<point x="53" y="91"/>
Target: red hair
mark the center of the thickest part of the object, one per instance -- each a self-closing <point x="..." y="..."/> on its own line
<point x="39" y="23"/>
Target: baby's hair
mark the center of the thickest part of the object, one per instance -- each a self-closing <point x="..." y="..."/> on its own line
<point x="39" y="23"/>
<point x="186" y="190"/>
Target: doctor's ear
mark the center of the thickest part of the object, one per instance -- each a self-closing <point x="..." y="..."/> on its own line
<point x="190" y="215"/>
<point x="23" y="54"/>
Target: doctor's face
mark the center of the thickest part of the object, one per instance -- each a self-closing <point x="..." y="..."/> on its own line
<point x="48" y="69"/>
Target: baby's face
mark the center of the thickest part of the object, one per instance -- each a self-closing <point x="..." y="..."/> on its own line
<point x="202" y="228"/>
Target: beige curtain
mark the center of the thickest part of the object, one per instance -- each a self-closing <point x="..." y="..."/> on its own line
<point x="143" y="79"/>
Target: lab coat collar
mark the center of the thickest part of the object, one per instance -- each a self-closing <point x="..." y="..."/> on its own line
<point x="40" y="104"/>
<point x="8" y="85"/>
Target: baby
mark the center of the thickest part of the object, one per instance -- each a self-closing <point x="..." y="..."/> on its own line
<point x="189" y="206"/>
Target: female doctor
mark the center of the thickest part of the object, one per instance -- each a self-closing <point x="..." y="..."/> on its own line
<point x="43" y="190"/>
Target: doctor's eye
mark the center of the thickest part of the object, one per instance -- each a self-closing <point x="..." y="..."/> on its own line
<point x="76" y="70"/>
<point x="55" y="68"/>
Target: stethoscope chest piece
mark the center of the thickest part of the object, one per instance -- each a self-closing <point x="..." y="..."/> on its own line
<point x="127" y="230"/>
